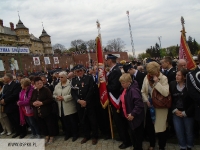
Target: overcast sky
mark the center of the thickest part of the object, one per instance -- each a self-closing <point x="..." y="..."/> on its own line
<point x="67" y="20"/>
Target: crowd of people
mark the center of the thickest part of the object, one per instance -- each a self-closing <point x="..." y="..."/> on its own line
<point x="72" y="98"/>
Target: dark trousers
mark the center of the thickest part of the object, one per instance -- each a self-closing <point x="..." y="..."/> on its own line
<point x="103" y="119"/>
<point x="33" y="125"/>
<point x="47" y="125"/>
<point x="15" y="122"/>
<point x="149" y="127"/>
<point x="71" y="125"/>
<point x="88" y="120"/>
<point x="137" y="135"/>
<point x="122" y="125"/>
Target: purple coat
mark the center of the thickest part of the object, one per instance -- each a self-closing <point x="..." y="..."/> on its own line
<point x="134" y="105"/>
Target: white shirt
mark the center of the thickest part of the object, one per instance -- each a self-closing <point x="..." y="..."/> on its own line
<point x="136" y="71"/>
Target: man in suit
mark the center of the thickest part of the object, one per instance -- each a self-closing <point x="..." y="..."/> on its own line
<point x="83" y="93"/>
<point x="136" y="75"/>
<point x="9" y="100"/>
<point x="56" y="79"/>
<point x="114" y="90"/>
<point x="169" y="71"/>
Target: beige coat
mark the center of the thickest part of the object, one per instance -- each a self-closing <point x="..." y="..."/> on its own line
<point x="161" y="114"/>
<point x="69" y="105"/>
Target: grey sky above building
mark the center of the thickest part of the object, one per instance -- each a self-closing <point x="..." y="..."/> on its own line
<point x="67" y="20"/>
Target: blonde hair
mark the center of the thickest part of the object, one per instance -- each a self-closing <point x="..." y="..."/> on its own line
<point x="126" y="77"/>
<point x="25" y="82"/>
<point x="153" y="68"/>
<point x="1" y="79"/>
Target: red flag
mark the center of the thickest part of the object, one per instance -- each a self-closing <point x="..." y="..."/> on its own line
<point x="184" y="53"/>
<point x="101" y="76"/>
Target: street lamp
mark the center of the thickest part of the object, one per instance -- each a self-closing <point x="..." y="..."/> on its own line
<point x="159" y="38"/>
<point x="19" y="57"/>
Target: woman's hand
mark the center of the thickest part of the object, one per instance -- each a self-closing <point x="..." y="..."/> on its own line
<point x="37" y="103"/>
<point x="155" y="79"/>
<point x="59" y="98"/>
<point x="179" y="113"/>
<point x="130" y="117"/>
<point x="148" y="104"/>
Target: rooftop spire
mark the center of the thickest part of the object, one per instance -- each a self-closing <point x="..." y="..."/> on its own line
<point x="18" y="15"/>
<point x="42" y="25"/>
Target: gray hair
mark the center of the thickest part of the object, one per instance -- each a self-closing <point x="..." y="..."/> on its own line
<point x="63" y="73"/>
<point x="9" y="75"/>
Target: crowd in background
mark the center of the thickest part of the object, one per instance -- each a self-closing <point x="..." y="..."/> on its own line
<point x="70" y="101"/>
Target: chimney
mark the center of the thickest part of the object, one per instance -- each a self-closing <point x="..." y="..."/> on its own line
<point x="1" y="22"/>
<point x="11" y="26"/>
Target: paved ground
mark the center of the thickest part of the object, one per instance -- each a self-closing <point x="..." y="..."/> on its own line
<point x="60" y="144"/>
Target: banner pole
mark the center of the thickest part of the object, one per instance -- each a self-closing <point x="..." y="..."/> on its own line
<point x="102" y="63"/>
<point x="110" y="119"/>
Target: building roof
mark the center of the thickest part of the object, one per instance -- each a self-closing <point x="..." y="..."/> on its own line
<point x="32" y="37"/>
<point x="8" y="31"/>
<point x="44" y="33"/>
<point x="20" y="25"/>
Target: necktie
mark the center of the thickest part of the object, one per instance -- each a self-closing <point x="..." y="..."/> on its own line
<point x="165" y="72"/>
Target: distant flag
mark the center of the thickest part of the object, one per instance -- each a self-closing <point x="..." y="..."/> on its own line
<point x="184" y="51"/>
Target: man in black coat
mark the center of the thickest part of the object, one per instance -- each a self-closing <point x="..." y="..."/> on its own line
<point x="47" y="84"/>
<point x="136" y="74"/>
<point x="193" y="86"/>
<point x="102" y="114"/>
<point x="83" y="93"/>
<point x="169" y="70"/>
<point x="56" y="79"/>
<point x="114" y="90"/>
<point x="9" y="100"/>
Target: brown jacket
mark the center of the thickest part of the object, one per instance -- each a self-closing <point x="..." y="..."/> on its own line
<point x="45" y="96"/>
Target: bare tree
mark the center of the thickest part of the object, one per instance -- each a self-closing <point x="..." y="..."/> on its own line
<point x="116" y="45"/>
<point x="77" y="43"/>
<point x="59" y="47"/>
<point x="91" y="44"/>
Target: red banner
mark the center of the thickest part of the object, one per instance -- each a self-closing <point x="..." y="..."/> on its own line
<point x="184" y="53"/>
<point x="101" y="75"/>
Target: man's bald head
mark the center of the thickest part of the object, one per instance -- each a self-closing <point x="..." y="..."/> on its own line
<point x="70" y="75"/>
<point x="181" y="63"/>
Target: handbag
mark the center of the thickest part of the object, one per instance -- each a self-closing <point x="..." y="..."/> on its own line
<point x="160" y="101"/>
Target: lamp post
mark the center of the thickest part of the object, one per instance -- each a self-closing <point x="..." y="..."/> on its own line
<point x="19" y="57"/>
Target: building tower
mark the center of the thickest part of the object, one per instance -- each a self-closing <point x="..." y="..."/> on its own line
<point x="22" y="33"/>
<point x="45" y="38"/>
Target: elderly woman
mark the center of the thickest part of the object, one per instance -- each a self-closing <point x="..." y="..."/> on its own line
<point x="41" y="101"/>
<point x="3" y="117"/>
<point x="25" y="110"/>
<point x="133" y="108"/>
<point x="158" y="122"/>
<point x="183" y="111"/>
<point x="67" y="106"/>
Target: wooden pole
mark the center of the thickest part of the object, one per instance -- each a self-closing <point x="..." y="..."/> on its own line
<point x="110" y="119"/>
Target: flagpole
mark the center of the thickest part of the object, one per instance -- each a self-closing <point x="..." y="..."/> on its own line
<point x="109" y="107"/>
